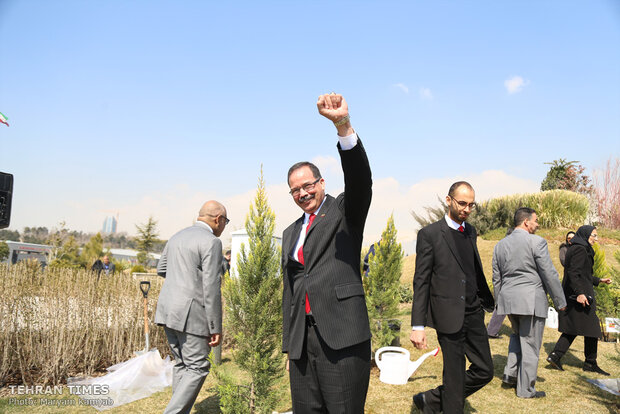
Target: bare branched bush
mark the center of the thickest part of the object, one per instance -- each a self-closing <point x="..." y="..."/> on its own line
<point x="62" y="322"/>
<point x="607" y="194"/>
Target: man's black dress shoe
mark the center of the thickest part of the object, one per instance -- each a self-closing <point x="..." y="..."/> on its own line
<point x="509" y="382"/>
<point x="538" y="394"/>
<point x="420" y="401"/>
<point x="587" y="366"/>
<point x="554" y="361"/>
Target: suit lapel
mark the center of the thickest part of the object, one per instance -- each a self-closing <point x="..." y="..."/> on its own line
<point x="445" y="231"/>
<point x="290" y="244"/>
<point x="323" y="217"/>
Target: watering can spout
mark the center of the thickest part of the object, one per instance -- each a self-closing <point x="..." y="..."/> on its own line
<point x="414" y="365"/>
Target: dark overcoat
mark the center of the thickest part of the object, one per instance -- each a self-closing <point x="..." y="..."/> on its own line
<point x="578" y="279"/>
<point x="439" y="283"/>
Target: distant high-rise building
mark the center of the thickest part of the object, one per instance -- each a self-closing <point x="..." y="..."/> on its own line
<point x="109" y="225"/>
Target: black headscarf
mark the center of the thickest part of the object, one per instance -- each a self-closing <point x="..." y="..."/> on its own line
<point x="581" y="238"/>
<point x="568" y="234"/>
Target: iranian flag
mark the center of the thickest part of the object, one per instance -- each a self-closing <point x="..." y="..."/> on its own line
<point x="4" y="119"/>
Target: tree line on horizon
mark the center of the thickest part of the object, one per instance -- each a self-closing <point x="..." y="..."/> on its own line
<point x="78" y="249"/>
<point x="41" y="235"/>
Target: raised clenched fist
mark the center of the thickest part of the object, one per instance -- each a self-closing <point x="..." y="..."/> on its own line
<point x="332" y="106"/>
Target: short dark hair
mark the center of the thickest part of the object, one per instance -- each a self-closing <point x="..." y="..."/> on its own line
<point x="522" y="214"/>
<point x="456" y="185"/>
<point x="315" y="170"/>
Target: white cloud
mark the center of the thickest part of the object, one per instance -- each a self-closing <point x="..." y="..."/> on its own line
<point x="515" y="84"/>
<point x="327" y="164"/>
<point x="403" y="87"/>
<point x="425" y="93"/>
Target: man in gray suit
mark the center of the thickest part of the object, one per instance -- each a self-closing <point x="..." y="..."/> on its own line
<point x="522" y="275"/>
<point x="190" y="305"/>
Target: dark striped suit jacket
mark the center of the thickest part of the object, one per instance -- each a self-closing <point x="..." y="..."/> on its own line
<point x="331" y="274"/>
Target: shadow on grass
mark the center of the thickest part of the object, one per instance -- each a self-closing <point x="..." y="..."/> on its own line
<point x="209" y="405"/>
<point x="596" y="395"/>
<point x="414" y="379"/>
<point x="499" y="362"/>
<point x="468" y="408"/>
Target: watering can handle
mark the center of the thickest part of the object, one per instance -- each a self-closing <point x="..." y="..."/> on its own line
<point x="144" y="287"/>
<point x="387" y="349"/>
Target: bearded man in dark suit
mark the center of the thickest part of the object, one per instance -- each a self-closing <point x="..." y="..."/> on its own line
<point x="325" y="322"/>
<point x="450" y="292"/>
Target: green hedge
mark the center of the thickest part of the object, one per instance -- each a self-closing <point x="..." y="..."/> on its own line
<point x="555" y="209"/>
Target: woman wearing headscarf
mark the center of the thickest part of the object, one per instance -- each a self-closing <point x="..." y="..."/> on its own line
<point x="564" y="246"/>
<point x="579" y="318"/>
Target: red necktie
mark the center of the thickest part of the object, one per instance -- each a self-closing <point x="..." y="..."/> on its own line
<point x="300" y="255"/>
<point x="461" y="229"/>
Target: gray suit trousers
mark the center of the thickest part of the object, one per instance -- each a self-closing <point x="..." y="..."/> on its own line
<point x="190" y="369"/>
<point x="524" y="351"/>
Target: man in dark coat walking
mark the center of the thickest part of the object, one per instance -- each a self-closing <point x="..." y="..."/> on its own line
<point x="449" y="294"/>
<point x="108" y="268"/>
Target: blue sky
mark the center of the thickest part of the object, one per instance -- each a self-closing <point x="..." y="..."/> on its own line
<point x="152" y="107"/>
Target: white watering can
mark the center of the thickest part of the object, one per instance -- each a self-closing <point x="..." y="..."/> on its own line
<point x="395" y="366"/>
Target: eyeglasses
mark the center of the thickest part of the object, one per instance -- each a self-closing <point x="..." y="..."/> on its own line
<point x="219" y="215"/>
<point x="306" y="187"/>
<point x="464" y="204"/>
<point x="594" y="236"/>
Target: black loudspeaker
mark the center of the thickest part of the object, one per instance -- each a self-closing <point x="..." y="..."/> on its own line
<point x="6" y="195"/>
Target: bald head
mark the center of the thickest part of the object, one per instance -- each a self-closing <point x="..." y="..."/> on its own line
<point x="212" y="208"/>
<point x="214" y="214"/>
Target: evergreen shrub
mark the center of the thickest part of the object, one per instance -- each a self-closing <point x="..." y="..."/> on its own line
<point x="382" y="287"/>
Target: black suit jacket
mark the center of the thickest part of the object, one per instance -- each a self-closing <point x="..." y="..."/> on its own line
<point x="439" y="282"/>
<point x="99" y="267"/>
<point x="331" y="275"/>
